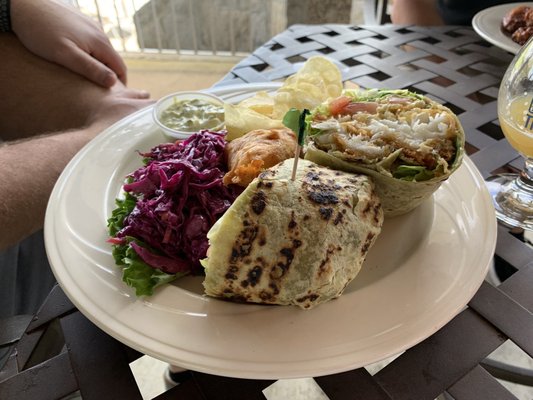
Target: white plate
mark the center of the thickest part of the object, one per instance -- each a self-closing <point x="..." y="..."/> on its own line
<point x="422" y="271"/>
<point x="487" y="23"/>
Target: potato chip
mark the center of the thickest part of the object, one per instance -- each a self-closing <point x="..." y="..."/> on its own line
<point x="318" y="80"/>
<point x="261" y="102"/>
<point x="241" y="120"/>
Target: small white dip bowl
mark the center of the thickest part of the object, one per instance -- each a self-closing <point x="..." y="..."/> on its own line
<point x="165" y="102"/>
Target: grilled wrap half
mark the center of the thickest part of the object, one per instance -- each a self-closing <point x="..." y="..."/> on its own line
<point x="293" y="242"/>
<point x="406" y="142"/>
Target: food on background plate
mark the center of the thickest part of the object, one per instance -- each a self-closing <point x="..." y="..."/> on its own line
<point x="159" y="229"/>
<point x="293" y="242"/>
<point x="522" y="35"/>
<point x="248" y="155"/>
<point x="317" y="80"/>
<point x="408" y="143"/>
<point x="518" y="22"/>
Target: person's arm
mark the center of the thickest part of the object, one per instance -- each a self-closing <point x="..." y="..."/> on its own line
<point x="416" y="12"/>
<point x="61" y="34"/>
<point x="29" y="172"/>
<point x="29" y="168"/>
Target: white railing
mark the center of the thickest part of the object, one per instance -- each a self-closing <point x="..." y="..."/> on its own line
<point x="193" y="27"/>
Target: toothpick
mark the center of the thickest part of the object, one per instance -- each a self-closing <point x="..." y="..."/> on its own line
<point x="296" y="158"/>
<point x="300" y="143"/>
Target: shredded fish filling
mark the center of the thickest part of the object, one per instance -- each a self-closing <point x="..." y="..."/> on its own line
<point x="409" y="127"/>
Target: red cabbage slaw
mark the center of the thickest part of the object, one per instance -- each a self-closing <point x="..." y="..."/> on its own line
<point x="159" y="230"/>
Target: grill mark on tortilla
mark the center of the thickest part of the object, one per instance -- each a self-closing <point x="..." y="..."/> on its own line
<point x="241" y="298"/>
<point x="368" y="242"/>
<point x="376" y="208"/>
<point x="244" y="243"/>
<point x="318" y="191"/>
<point x="268" y="173"/>
<point x="325" y="265"/>
<point x="258" y="202"/>
<point x="312" y="175"/>
<point x="339" y="217"/>
<point x="261" y="237"/>
<point x="241" y="250"/>
<point x="323" y="196"/>
<point x="274" y="288"/>
<point x="230" y="276"/>
<point x="267" y="184"/>
<point x="254" y="275"/>
<point x="292" y="222"/>
<point x="288" y="253"/>
<point x="280" y="269"/>
<point x="231" y="273"/>
<point x="333" y="184"/>
<point x="325" y="212"/>
<point x="310" y="297"/>
<point x="265" y="296"/>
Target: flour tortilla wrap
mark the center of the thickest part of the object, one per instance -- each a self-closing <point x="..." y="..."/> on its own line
<point x="293" y="242"/>
<point x="408" y="143"/>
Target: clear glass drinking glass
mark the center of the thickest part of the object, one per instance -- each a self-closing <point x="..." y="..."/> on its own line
<point x="513" y="193"/>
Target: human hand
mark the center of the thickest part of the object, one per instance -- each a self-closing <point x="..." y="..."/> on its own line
<point x="119" y="102"/>
<point x="61" y="34"/>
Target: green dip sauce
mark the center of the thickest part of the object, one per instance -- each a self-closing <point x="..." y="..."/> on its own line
<point x="193" y="115"/>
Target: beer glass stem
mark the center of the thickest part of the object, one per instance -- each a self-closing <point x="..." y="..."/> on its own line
<point x="526" y="175"/>
<point x="512" y="195"/>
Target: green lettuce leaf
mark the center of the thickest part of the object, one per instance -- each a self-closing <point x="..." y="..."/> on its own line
<point x="136" y="273"/>
<point x="296" y="121"/>
<point x="124" y="208"/>
<point x="413" y="173"/>
<point x="376" y="94"/>
<point x="291" y="120"/>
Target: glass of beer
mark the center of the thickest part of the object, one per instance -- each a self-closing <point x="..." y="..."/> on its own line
<point x="513" y="193"/>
